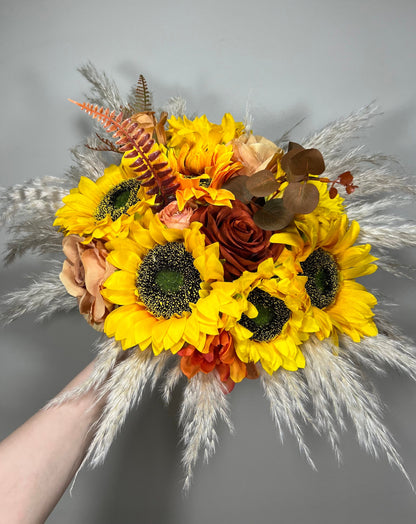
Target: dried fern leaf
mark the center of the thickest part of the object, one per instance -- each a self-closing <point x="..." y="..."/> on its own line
<point x="143" y="96"/>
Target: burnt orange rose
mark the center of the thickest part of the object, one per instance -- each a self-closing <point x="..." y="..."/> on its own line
<point x="243" y="245"/>
<point x="219" y="355"/>
<point x="83" y="272"/>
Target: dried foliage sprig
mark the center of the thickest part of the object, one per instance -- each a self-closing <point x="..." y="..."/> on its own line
<point x="106" y="145"/>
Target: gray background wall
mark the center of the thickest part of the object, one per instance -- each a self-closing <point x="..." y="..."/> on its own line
<point x="320" y="59"/>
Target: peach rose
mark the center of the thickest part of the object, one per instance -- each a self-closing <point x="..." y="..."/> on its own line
<point x="254" y="152"/>
<point x="83" y="272"/>
<point x="175" y="219"/>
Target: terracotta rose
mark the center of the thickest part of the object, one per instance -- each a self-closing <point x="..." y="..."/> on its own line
<point x="243" y="245"/>
<point x="83" y="272"/>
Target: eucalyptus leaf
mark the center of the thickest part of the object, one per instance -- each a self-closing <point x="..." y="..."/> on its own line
<point x="262" y="183"/>
<point x="238" y="187"/>
<point x="301" y="198"/>
<point x="273" y="216"/>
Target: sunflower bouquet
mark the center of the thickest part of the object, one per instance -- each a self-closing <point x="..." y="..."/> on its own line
<point x="205" y="252"/>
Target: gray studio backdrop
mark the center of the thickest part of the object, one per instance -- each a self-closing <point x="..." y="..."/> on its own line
<point x="287" y="60"/>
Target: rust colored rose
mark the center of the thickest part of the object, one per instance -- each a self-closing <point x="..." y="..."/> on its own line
<point x="243" y="245"/>
<point x="83" y="272"/>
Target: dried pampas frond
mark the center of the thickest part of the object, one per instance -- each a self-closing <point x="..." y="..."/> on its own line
<point x="104" y="91"/>
<point x="38" y="195"/>
<point x="45" y="296"/>
<point x="204" y="402"/>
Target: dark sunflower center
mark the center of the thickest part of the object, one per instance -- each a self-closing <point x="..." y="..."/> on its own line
<point x="118" y="200"/>
<point x="272" y="316"/>
<point x="167" y="280"/>
<point x="322" y="272"/>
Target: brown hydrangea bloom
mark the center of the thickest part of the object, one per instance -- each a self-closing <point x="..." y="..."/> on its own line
<point x="243" y="245"/>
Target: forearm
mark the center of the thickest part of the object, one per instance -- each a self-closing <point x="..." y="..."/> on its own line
<point x="38" y="460"/>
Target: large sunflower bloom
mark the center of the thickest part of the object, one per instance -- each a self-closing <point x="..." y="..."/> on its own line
<point x="165" y="288"/>
<point x="328" y="257"/>
<point x="277" y="317"/>
<point x="104" y="208"/>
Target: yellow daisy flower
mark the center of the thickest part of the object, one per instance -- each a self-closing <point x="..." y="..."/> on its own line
<point x="165" y="288"/>
<point x="327" y="256"/>
<point x="104" y="208"/>
<point x="277" y="317"/>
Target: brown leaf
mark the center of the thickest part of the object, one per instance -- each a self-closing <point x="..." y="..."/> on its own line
<point x="293" y="149"/>
<point x="273" y="216"/>
<point x="307" y="162"/>
<point x="238" y="187"/>
<point x="298" y="163"/>
<point x="301" y="198"/>
<point x="262" y="183"/>
<point x="294" y="146"/>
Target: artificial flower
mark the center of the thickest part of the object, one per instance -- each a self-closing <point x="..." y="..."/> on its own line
<point x="254" y="153"/>
<point x="202" y="132"/>
<point x="85" y="269"/>
<point x="104" y="208"/>
<point x="218" y="354"/>
<point x="242" y="243"/>
<point x="175" y="219"/>
<point x="163" y="288"/>
<point x="328" y="257"/>
<point x="277" y="318"/>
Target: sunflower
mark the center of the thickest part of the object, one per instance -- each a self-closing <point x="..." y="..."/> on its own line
<point x="277" y="317"/>
<point x="202" y="132"/>
<point x="103" y="208"/>
<point x="325" y="254"/>
<point x="165" y="288"/>
<point x="201" y="171"/>
<point x="200" y="153"/>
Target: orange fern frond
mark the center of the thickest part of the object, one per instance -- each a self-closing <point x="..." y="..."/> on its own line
<point x="153" y="172"/>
